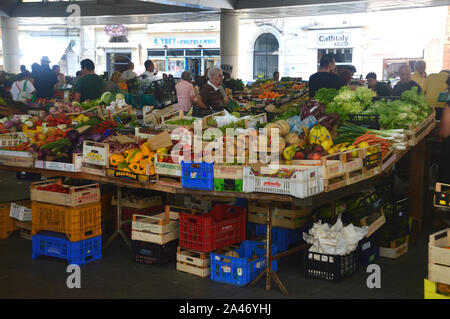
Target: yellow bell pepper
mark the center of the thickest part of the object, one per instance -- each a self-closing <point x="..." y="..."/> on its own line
<point x="115" y="159"/>
<point x="130" y="151"/>
<point x="145" y="149"/>
<point x="134" y="167"/>
<point x="135" y="156"/>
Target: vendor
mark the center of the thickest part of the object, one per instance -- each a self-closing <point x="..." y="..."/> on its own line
<point x="433" y="85"/>
<point x="276" y="76"/>
<point x="113" y="84"/>
<point x="324" y="78"/>
<point x="405" y="83"/>
<point x="90" y="86"/>
<point x="444" y="133"/>
<point x="150" y="74"/>
<point x="211" y="99"/>
<point x="419" y="74"/>
<point x="382" y="89"/>
<point x="44" y="79"/>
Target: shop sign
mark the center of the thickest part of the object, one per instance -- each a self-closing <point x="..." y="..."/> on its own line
<point x="340" y="39"/>
<point x="182" y="42"/>
<point x="115" y="30"/>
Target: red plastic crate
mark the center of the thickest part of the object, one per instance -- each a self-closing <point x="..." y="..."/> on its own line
<point x="222" y="226"/>
<point x="127" y="215"/>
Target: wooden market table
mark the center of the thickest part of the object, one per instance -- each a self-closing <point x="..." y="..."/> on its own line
<point x="417" y="188"/>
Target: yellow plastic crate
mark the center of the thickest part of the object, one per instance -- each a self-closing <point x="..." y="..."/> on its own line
<point x="78" y="223"/>
<point x="431" y="291"/>
<point x="7" y="224"/>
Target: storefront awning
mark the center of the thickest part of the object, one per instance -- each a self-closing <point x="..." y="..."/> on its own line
<point x="118" y="45"/>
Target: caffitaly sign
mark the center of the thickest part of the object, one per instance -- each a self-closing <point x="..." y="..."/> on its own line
<point x="338" y="39"/>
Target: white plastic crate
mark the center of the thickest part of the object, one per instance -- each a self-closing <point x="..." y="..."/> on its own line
<point x="305" y="182"/>
<point x="21" y="213"/>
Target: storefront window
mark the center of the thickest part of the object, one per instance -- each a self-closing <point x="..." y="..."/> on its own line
<point x="117" y="62"/>
<point x="341" y="56"/>
<point x="175" y="65"/>
<point x="265" y="61"/>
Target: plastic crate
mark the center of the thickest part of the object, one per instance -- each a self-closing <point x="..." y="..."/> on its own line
<point x="330" y="267"/>
<point x="78" y="223"/>
<point x="7" y="223"/>
<point x="370" y="252"/>
<point x="140" y="100"/>
<point x="282" y="237"/>
<point x="30" y="177"/>
<point x="197" y="175"/>
<point x="154" y="254"/>
<point x="397" y="221"/>
<point x="222" y="226"/>
<point x="240" y="271"/>
<point x="21" y="212"/>
<point x="305" y="182"/>
<point x="127" y="216"/>
<point x="58" y="245"/>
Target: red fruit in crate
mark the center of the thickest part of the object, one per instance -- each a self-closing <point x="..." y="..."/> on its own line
<point x="318" y="149"/>
<point x="299" y="155"/>
<point x="310" y="156"/>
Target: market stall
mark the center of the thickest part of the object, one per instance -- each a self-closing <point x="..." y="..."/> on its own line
<point x="330" y="148"/>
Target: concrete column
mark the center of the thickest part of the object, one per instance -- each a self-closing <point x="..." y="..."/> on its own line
<point x="10" y="42"/>
<point x="229" y="40"/>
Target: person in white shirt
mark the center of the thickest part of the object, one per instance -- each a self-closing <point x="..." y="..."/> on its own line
<point x="150" y="75"/>
<point x="129" y="74"/>
<point x="23" y="88"/>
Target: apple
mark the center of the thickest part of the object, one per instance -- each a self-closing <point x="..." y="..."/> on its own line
<point x="310" y="156"/>
<point x="299" y="155"/>
<point x="318" y="149"/>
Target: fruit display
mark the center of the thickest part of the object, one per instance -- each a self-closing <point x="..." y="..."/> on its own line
<point x="268" y="95"/>
<point x="55" y="187"/>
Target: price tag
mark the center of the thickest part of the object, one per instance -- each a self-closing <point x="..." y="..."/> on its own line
<point x="239" y="271"/>
<point x="226" y="269"/>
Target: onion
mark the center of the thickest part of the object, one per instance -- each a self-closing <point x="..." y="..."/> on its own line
<point x="8" y="124"/>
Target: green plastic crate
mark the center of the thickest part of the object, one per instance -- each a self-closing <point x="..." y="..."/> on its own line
<point x="228" y="185"/>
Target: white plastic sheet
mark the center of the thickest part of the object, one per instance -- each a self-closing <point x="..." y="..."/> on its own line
<point x="334" y="240"/>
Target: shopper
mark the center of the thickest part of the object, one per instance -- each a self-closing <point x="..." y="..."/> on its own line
<point x="433" y="85"/>
<point x="23" y="69"/>
<point x="405" y="83"/>
<point x="90" y="86"/>
<point x="185" y="93"/>
<point x="444" y="133"/>
<point x="324" y="78"/>
<point x="276" y="76"/>
<point x="346" y="76"/>
<point x="77" y="77"/>
<point x="202" y="80"/>
<point x="382" y="89"/>
<point x="44" y="79"/>
<point x="22" y="89"/>
<point x="35" y="68"/>
<point x="419" y="74"/>
<point x="150" y="74"/>
<point x="129" y="73"/>
<point x="61" y="77"/>
<point x="113" y="84"/>
<point x="211" y="99"/>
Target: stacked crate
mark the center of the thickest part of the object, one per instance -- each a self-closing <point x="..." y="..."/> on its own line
<point x="66" y="225"/>
<point x="7" y="224"/>
<point x="136" y="204"/>
<point x="155" y="237"/>
<point x="438" y="284"/>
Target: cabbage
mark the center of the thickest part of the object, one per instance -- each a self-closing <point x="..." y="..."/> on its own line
<point x="107" y="97"/>
<point x="120" y="96"/>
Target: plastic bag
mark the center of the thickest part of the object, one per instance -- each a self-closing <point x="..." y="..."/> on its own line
<point x="226" y="119"/>
<point x="334" y="240"/>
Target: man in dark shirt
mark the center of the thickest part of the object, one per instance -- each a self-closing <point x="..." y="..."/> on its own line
<point x="44" y="79"/>
<point x="211" y="99"/>
<point x="90" y="86"/>
<point x="382" y="89"/>
<point x="405" y="83"/>
<point x="323" y="78"/>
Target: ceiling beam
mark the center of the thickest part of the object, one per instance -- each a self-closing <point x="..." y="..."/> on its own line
<point x="199" y="4"/>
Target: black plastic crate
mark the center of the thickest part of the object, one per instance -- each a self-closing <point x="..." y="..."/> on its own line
<point x="154" y="254"/>
<point x="370" y="251"/>
<point x="25" y="176"/>
<point x="365" y="120"/>
<point x="330" y="267"/>
<point x="397" y="212"/>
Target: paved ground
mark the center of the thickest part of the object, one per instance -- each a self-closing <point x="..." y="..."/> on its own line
<point x="118" y="276"/>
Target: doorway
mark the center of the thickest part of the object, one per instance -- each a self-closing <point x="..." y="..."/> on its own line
<point x="117" y="62"/>
<point x="194" y="65"/>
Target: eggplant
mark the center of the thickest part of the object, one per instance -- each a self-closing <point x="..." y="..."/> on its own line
<point x="73" y="135"/>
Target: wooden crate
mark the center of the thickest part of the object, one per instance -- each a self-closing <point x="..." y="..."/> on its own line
<point x="78" y="195"/>
<point x="112" y="172"/>
<point x="167" y="169"/>
<point x="138" y="203"/>
<point x="434" y="290"/>
<point x="380" y="221"/>
<point x="170" y="181"/>
<point x="16" y="158"/>
<point x="206" y="118"/>
<point x="252" y="121"/>
<point x="192" y="262"/>
<point x="439" y="257"/>
<point x="416" y="134"/>
<point x="194" y="270"/>
<point x="12" y="139"/>
<point x="158" y="229"/>
<point x="396" y="248"/>
<point x="24" y="229"/>
<point x="281" y="217"/>
<point x="228" y="171"/>
<point x="177" y="115"/>
<point x="96" y="153"/>
<point x="75" y="166"/>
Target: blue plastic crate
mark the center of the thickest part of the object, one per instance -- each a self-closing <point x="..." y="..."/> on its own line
<point x="46" y="243"/>
<point x="282" y="237"/>
<point x="197" y="175"/>
<point x="240" y="271"/>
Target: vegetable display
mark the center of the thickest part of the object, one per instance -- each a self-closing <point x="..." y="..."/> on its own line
<point x="348" y="101"/>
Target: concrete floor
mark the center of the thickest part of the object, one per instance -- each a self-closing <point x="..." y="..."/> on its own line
<point x="118" y="276"/>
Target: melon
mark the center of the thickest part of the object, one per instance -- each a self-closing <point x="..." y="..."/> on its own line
<point x="292" y="139"/>
<point x="285" y="128"/>
<point x="271" y="126"/>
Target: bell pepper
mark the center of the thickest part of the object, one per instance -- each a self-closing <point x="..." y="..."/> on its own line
<point x="122" y="166"/>
<point x="145" y="149"/>
<point x="115" y="159"/>
<point x="135" y="156"/>
<point x="134" y="167"/>
<point x="130" y="151"/>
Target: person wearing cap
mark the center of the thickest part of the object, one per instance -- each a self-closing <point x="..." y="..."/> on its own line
<point x="382" y="89"/>
<point x="90" y="86"/>
<point x="45" y="80"/>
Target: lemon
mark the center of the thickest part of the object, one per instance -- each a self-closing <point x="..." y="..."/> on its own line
<point x="331" y="151"/>
<point x="326" y="145"/>
<point x="363" y="145"/>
